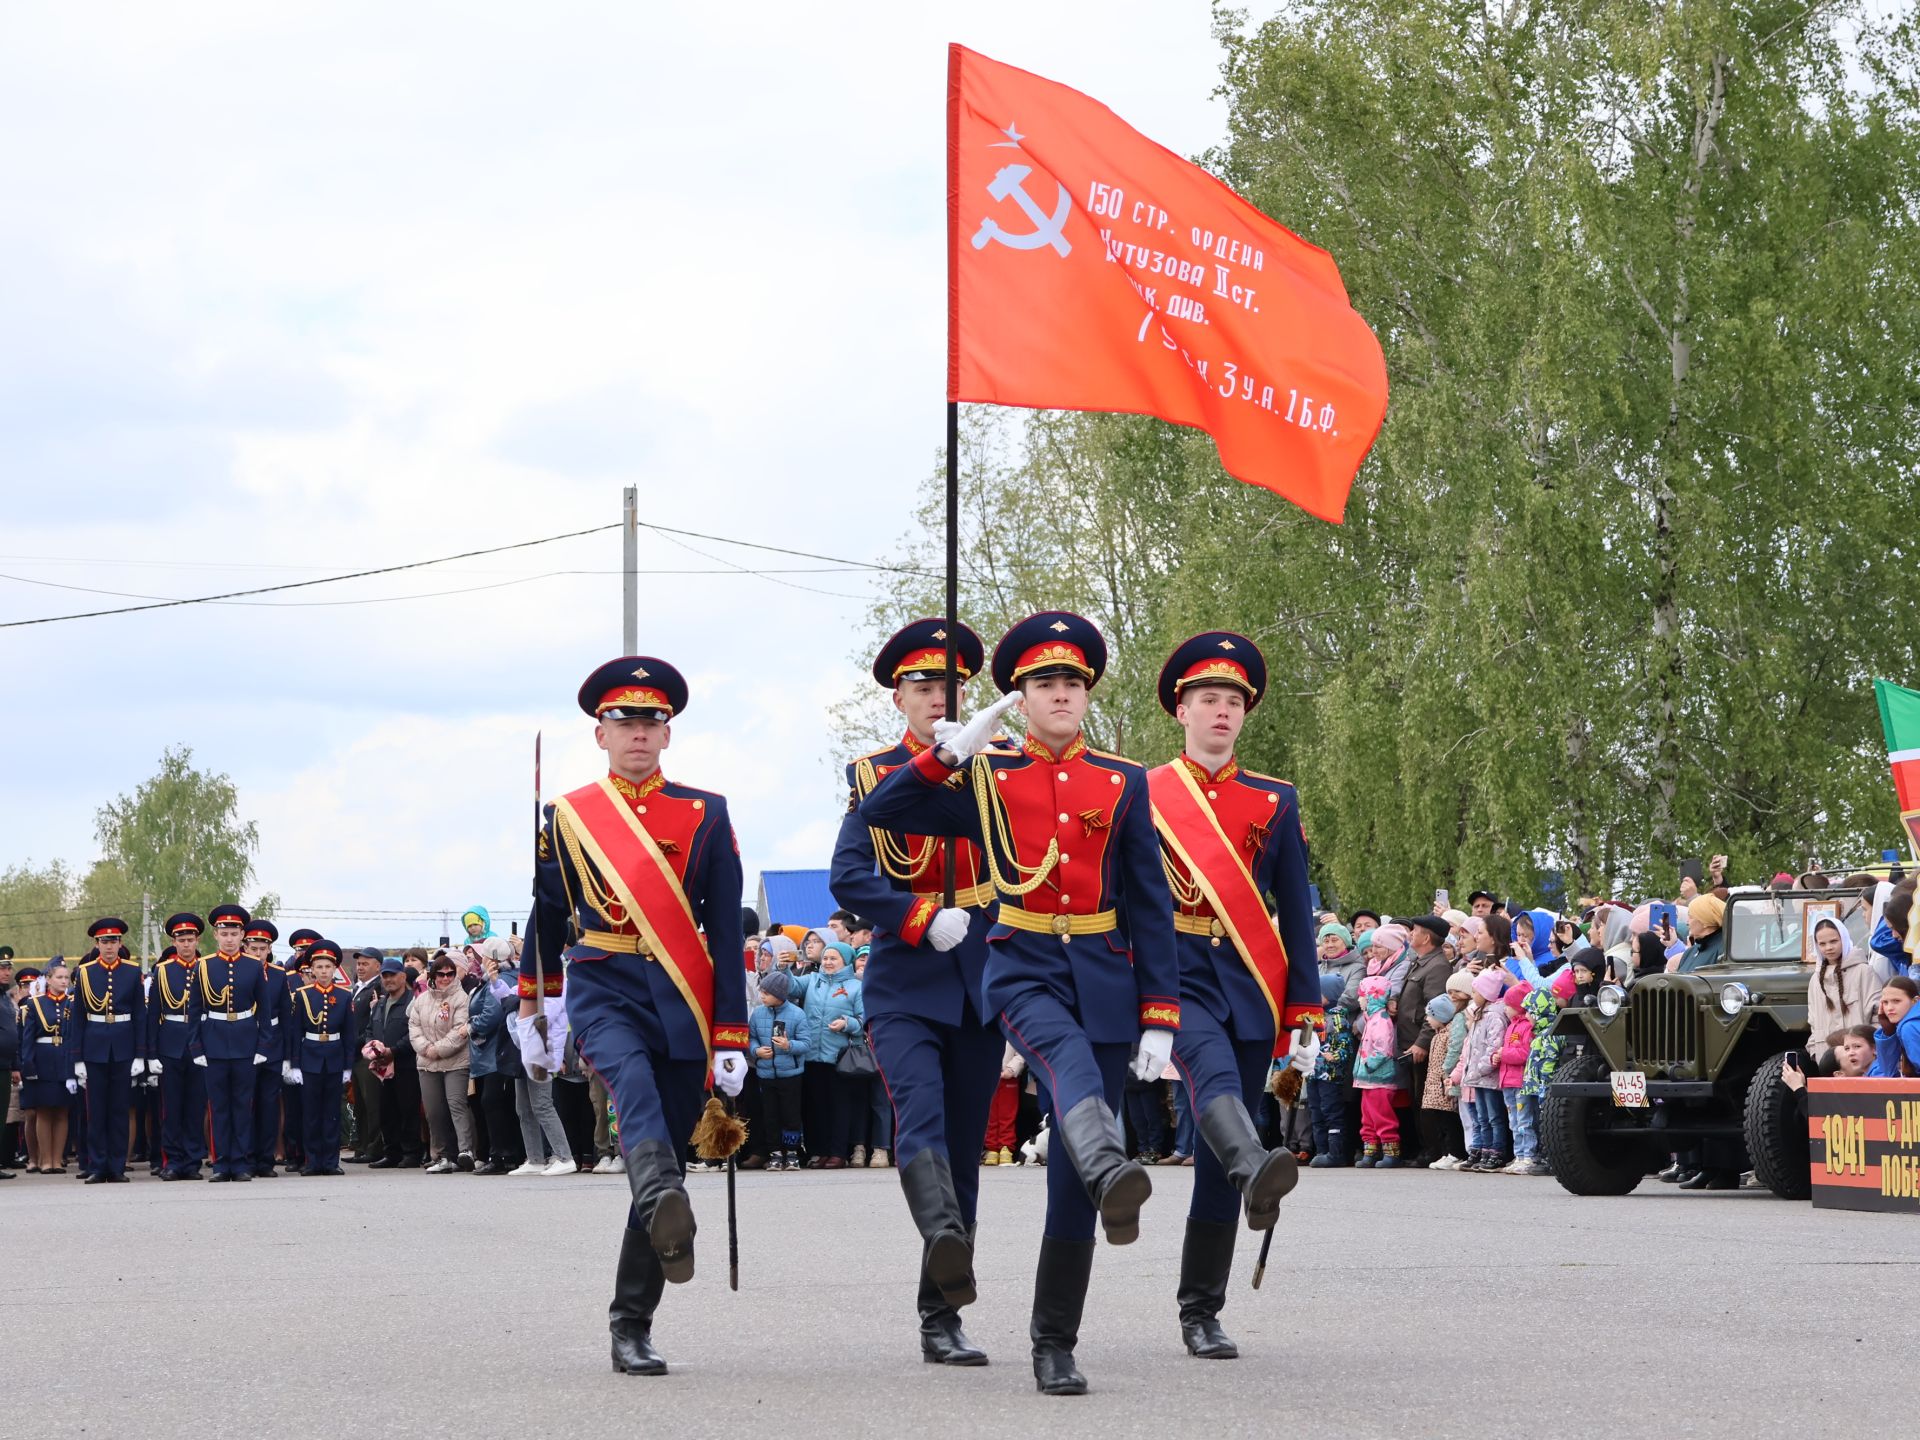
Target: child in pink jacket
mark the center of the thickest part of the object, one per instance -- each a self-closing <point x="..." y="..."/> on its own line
<point x="1513" y="1072"/>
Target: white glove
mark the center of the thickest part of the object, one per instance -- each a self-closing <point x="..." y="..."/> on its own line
<point x="259" y="1059"/>
<point x="729" y="1071"/>
<point x="201" y="1061"/>
<point x="80" y="1073"/>
<point x="286" y="1073"/>
<point x="293" y="1076"/>
<point x="948" y="929"/>
<point x="346" y="1076"/>
<point x="73" y="1087"/>
<point x="153" y="1067"/>
<point x="964" y="742"/>
<point x="139" y="1068"/>
<point x="1156" y="1049"/>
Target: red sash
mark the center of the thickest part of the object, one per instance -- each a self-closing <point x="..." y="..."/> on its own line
<point x="642" y="879"/>
<point x="1189" y="828"/>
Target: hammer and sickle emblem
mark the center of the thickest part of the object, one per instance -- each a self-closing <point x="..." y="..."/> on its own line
<point x="1008" y="185"/>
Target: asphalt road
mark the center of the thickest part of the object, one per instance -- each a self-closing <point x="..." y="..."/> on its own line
<point x="1404" y="1304"/>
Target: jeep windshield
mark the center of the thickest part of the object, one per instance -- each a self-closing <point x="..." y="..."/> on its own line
<point x="1770" y="927"/>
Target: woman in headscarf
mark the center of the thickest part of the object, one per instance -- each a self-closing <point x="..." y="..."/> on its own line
<point x="1533" y="955"/>
<point x="1707" y="941"/>
<point x="1841" y="992"/>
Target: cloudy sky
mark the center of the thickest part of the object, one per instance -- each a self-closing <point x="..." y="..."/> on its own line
<point x="296" y="290"/>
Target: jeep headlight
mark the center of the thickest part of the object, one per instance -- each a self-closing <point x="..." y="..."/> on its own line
<point x="1609" y="999"/>
<point x="1734" y="997"/>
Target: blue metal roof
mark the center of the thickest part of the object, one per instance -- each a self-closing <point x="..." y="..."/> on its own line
<point x="795" y="897"/>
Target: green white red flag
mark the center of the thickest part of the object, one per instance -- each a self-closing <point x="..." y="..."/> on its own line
<point x="1900" y="719"/>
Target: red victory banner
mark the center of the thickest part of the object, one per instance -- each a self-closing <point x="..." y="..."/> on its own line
<point x="1091" y="269"/>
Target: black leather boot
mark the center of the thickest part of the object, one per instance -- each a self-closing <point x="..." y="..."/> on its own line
<point x="637" y="1285"/>
<point x="1059" y="1293"/>
<point x="1206" y="1259"/>
<point x="1264" y="1176"/>
<point x="942" y="1341"/>
<point x="1117" y="1186"/>
<point x="948" y="1258"/>
<point x="660" y="1203"/>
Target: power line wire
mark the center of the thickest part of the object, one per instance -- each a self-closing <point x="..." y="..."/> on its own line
<point x="303" y="584"/>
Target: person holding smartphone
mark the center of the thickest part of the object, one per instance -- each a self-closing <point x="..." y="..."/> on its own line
<point x="777" y="1044"/>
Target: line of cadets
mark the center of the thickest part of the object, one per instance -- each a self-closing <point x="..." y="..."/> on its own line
<point x="226" y="1037"/>
<point x="1084" y="931"/>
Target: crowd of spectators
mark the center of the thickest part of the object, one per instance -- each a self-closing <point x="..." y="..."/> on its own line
<point x="1436" y="1051"/>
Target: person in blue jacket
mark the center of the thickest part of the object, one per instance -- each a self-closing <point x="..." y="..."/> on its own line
<point x="831" y="997"/>
<point x="777" y="1038"/>
<point x="46" y="1067"/>
<point x="109" y="1047"/>
<point x="183" y="1085"/>
<point x="225" y="1038"/>
<point x="1897" y="1036"/>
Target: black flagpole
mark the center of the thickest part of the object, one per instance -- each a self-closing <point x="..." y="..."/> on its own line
<point x="953" y="599"/>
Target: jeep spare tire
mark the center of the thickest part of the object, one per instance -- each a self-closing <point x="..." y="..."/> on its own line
<point x="1585" y="1160"/>
<point x="1776" y="1130"/>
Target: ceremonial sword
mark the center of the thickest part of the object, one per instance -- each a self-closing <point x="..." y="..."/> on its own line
<point x="1266" y="1245"/>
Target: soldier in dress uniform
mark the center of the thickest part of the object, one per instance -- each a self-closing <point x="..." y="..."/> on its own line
<point x="46" y="1066"/>
<point x="1073" y="851"/>
<point x="631" y="869"/>
<point x="320" y="1051"/>
<point x="927" y="1024"/>
<point x="183" y="1085"/>
<point x="226" y="1038"/>
<point x="1248" y="978"/>
<point x="261" y="935"/>
<point x="263" y="1140"/>
<point x="109" y="1047"/>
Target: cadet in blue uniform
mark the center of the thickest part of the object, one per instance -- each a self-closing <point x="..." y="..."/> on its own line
<point x="46" y="1067"/>
<point x="320" y="1049"/>
<point x="940" y="1059"/>
<point x="628" y="867"/>
<point x="226" y="1038"/>
<point x="183" y="1085"/>
<point x="263" y="1139"/>
<point x="1080" y="962"/>
<point x="109" y="1047"/>
<point x="1248" y="976"/>
<point x="259" y="944"/>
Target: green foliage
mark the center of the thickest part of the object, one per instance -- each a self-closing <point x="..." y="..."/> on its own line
<point x="179" y="838"/>
<point x="1631" y="546"/>
<point x="33" y="908"/>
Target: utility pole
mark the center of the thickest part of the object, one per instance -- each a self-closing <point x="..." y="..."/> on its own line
<point x="630" y="582"/>
<point x="147" y="946"/>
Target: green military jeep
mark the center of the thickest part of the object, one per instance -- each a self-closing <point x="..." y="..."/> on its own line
<point x="1692" y="1062"/>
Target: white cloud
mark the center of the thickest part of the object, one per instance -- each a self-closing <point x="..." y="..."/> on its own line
<point x="344" y="285"/>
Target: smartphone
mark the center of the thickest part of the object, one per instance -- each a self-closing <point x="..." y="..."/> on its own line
<point x="516" y="928"/>
<point x="1662" y="912"/>
<point x="1791" y="1060"/>
<point x="1443" y="900"/>
<point x="445" y="940"/>
<point x="1694" y="870"/>
<point x="779" y="1029"/>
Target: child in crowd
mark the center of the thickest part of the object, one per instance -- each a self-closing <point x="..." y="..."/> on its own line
<point x="1439" y="1117"/>
<point x="777" y="1037"/>
<point x="1515" y="1047"/>
<point x="1374" y="1078"/>
<point x="1004" y="1110"/>
<point x="1331" y="1083"/>
<point x="1543" y="1007"/>
<point x="1480" y="1073"/>
<point x="1460" y="991"/>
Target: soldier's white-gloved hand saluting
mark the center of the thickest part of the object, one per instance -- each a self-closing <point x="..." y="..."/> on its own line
<point x="139" y="1069"/>
<point x="963" y="742"/>
<point x="1156" y="1049"/>
<point x="729" y="1071"/>
<point x="80" y="1073"/>
<point x="948" y="929"/>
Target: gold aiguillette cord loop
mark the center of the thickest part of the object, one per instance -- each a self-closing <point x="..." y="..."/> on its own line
<point x="996" y="832"/>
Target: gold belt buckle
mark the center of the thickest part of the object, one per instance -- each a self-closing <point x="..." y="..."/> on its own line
<point x="1063" y="924"/>
<point x="1215" y="928"/>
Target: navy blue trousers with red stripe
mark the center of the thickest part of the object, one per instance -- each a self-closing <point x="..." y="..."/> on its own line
<point x="1212" y="1064"/>
<point x="620" y="1039"/>
<point x="940" y="1079"/>
<point x="1069" y="1068"/>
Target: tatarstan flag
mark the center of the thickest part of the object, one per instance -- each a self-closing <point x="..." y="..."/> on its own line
<point x="1900" y="718"/>
<point x="1090" y="269"/>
